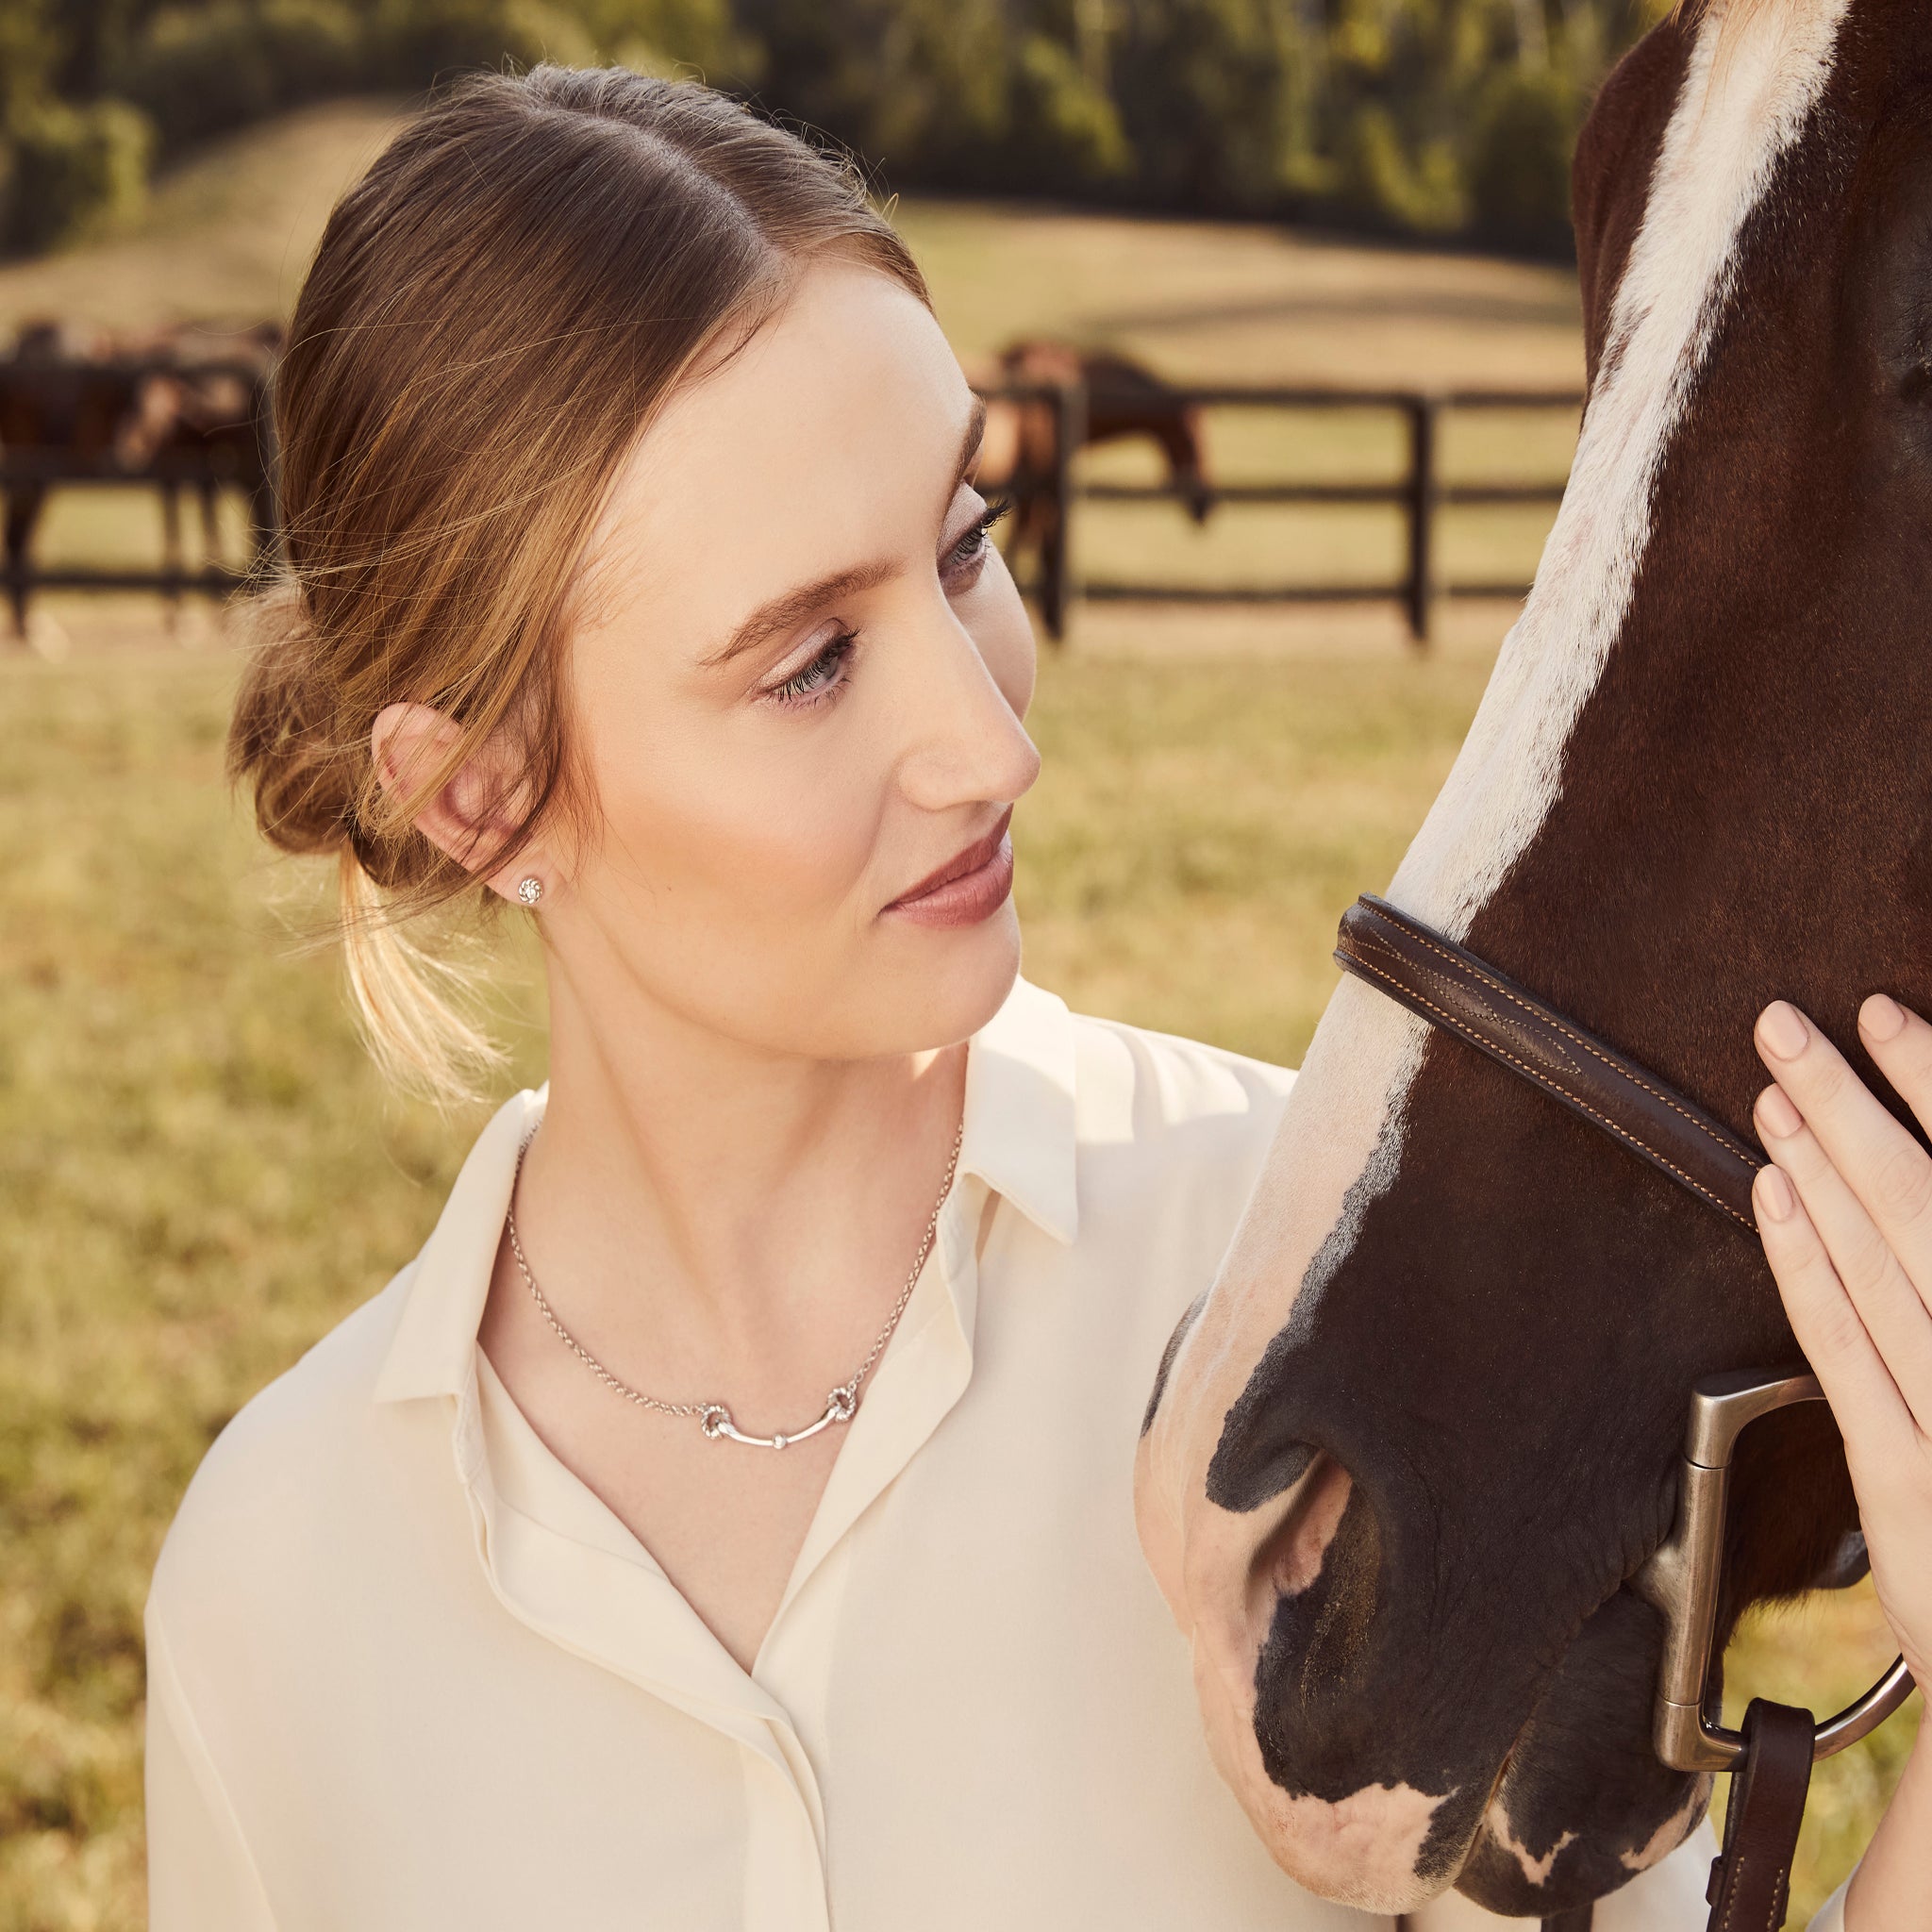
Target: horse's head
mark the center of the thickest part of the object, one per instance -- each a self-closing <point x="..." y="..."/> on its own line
<point x="1404" y="1463"/>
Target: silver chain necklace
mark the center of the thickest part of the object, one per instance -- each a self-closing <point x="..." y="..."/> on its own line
<point x="714" y="1418"/>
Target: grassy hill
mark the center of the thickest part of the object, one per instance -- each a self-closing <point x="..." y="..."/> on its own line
<point x="226" y="234"/>
<point x="230" y="232"/>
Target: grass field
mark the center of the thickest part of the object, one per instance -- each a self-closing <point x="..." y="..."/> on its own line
<point x="184" y="1110"/>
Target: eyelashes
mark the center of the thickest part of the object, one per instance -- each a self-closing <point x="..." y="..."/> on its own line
<point x="825" y="675"/>
<point x="972" y="546"/>
<point x="819" y="678"/>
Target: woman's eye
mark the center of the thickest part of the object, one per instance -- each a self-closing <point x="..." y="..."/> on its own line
<point x="820" y="676"/>
<point x="966" y="555"/>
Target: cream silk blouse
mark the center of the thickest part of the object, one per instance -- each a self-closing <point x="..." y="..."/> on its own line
<point x="407" y="1670"/>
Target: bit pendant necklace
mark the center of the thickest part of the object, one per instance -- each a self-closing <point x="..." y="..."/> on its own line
<point x="714" y="1418"/>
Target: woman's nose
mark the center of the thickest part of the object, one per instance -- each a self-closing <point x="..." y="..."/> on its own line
<point x="966" y="744"/>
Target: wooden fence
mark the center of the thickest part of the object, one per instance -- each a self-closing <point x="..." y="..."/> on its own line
<point x="1419" y="493"/>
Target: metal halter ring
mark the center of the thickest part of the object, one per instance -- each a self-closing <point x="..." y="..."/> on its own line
<point x="1681" y="1580"/>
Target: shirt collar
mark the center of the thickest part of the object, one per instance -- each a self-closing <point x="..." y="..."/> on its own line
<point x="1019" y="1140"/>
<point x="433" y="1350"/>
<point x="1020" y="1109"/>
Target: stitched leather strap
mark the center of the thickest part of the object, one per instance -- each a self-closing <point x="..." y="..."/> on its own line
<point x="1453" y="990"/>
<point x="1751" y="1879"/>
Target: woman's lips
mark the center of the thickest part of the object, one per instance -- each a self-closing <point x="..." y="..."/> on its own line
<point x="968" y="887"/>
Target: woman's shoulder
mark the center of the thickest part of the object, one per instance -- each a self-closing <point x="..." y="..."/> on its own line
<point x="1155" y="1123"/>
<point x="1172" y="1097"/>
<point x="1183" y="1126"/>
<point x="282" y="1461"/>
<point x="1180" y="1080"/>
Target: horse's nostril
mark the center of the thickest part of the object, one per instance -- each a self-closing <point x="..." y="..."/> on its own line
<point x="1290" y="1557"/>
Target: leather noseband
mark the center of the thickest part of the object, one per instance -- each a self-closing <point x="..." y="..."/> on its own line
<point x="1453" y="990"/>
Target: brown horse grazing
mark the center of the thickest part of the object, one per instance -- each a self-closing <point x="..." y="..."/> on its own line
<point x="1020" y="454"/>
<point x="1404" y="1463"/>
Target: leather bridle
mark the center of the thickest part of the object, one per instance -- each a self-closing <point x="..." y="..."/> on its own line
<point x="1773" y="1752"/>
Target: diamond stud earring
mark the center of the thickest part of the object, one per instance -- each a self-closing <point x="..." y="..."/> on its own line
<point x="530" y="890"/>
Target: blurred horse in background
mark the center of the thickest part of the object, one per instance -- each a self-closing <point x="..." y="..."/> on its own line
<point x="210" y="399"/>
<point x="187" y="404"/>
<point x="1021" y="456"/>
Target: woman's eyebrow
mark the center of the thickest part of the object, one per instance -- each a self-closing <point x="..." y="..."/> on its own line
<point x="792" y="608"/>
<point x="777" y="616"/>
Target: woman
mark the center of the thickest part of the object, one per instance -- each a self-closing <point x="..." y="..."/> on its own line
<point x="724" y="1521"/>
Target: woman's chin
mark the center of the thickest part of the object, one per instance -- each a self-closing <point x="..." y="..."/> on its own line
<point x="946" y="982"/>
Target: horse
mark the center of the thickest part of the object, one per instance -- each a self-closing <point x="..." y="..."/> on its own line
<point x="60" y="392"/>
<point x="209" y="395"/>
<point x="1021" y="453"/>
<point x="191" y="394"/>
<point x="1405" y="1462"/>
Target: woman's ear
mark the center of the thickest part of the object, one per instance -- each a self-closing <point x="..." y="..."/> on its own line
<point x="472" y="814"/>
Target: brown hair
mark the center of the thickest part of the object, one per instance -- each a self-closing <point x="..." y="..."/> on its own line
<point x="495" y="311"/>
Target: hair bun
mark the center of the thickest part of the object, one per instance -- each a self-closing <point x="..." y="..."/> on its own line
<point x="286" y="740"/>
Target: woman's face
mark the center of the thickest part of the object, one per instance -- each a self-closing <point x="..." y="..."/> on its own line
<point x="797" y="688"/>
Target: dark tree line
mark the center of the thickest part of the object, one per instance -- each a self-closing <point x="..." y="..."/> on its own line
<point x="1436" y="117"/>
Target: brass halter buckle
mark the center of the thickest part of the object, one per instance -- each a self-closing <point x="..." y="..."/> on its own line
<point x="1681" y="1580"/>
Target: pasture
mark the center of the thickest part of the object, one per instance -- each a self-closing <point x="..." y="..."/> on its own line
<point x="186" y="1118"/>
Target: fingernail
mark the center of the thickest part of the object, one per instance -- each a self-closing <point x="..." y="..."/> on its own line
<point x="1782" y="1029"/>
<point x="1882" y="1018"/>
<point x="1776" y="1111"/>
<point x="1775" y="1199"/>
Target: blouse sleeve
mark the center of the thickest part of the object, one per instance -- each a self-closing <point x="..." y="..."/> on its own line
<point x="201" y="1876"/>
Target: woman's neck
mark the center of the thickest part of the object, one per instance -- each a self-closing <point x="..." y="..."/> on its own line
<point x="714" y="1202"/>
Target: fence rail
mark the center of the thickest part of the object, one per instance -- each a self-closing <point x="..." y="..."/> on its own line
<point x="1419" y="491"/>
<point x="22" y="577"/>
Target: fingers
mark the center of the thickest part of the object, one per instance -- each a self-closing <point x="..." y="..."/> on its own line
<point x="1883" y="1166"/>
<point x="1901" y="1044"/>
<point x="1835" y="1263"/>
<point x="1846" y="1218"/>
<point x="1829" y="1329"/>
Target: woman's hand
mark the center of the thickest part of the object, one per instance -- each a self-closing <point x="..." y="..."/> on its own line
<point x="1845" y="1213"/>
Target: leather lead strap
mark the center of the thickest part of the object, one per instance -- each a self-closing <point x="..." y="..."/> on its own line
<point x="1453" y="990"/>
<point x="1576" y="1920"/>
<point x="1751" y="1879"/>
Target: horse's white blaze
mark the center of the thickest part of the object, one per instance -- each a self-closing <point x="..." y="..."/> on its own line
<point x="1741" y="105"/>
<point x="1739" y="110"/>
